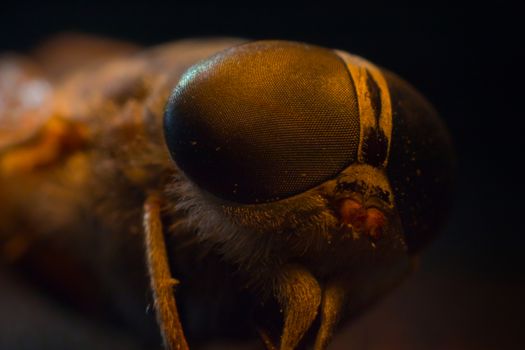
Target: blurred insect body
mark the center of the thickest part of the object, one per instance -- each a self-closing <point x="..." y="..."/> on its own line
<point x="276" y="175"/>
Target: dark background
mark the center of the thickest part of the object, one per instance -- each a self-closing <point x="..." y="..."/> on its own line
<point x="469" y="292"/>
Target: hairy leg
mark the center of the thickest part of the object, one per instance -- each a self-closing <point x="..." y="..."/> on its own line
<point x="299" y="295"/>
<point x="162" y="282"/>
<point x="331" y="307"/>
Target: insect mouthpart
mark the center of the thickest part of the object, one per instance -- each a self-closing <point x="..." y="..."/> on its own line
<point x="362" y="220"/>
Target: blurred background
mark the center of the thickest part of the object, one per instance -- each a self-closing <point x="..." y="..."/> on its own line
<point x="469" y="292"/>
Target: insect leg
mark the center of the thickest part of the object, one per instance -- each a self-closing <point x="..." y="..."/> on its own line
<point x="162" y="282"/>
<point x="332" y="304"/>
<point x="299" y="295"/>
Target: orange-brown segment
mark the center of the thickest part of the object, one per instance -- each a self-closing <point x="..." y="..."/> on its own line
<point x="353" y="213"/>
<point x="367" y="220"/>
<point x="375" y="221"/>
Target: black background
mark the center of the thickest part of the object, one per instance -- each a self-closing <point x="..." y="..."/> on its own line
<point x="465" y="59"/>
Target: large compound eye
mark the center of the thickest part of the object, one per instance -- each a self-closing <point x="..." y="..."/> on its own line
<point x="264" y="121"/>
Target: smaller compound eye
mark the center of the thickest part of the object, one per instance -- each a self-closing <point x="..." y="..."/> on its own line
<point x="264" y="121"/>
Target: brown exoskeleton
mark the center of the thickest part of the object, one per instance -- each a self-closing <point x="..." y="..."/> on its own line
<point x="281" y="186"/>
